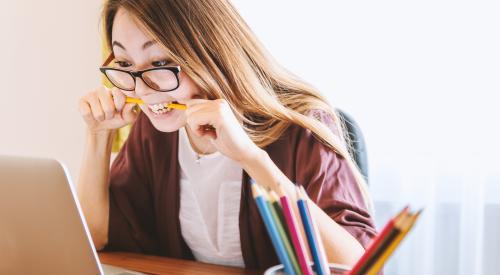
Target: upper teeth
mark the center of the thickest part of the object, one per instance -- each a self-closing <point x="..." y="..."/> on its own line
<point x="157" y="107"/>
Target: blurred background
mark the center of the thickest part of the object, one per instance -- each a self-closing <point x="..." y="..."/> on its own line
<point x="421" y="78"/>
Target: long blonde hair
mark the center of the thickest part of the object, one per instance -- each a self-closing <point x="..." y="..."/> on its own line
<point x="218" y="51"/>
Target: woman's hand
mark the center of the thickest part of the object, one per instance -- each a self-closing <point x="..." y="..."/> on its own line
<point x="226" y="132"/>
<point x="105" y="109"/>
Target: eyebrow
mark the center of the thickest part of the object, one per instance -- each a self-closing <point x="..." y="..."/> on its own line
<point x="144" y="46"/>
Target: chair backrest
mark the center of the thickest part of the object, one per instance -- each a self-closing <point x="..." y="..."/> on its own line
<point x="357" y="147"/>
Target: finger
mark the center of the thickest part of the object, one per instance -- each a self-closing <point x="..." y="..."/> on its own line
<point x="197" y="104"/>
<point x="86" y="112"/>
<point x="200" y="118"/>
<point x="107" y="104"/>
<point x="208" y="131"/>
<point x="197" y="108"/>
<point x="118" y="98"/>
<point x="128" y="113"/>
<point x="202" y="123"/>
<point x="95" y="106"/>
<point x="203" y="131"/>
<point x="192" y="102"/>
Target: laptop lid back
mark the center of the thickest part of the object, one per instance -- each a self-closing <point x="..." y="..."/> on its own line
<point x="41" y="225"/>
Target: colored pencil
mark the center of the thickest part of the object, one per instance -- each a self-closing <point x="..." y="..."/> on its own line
<point x="171" y="105"/>
<point x="393" y="233"/>
<point x="405" y="228"/>
<point x="319" y="265"/>
<point x="275" y="202"/>
<point x="271" y="229"/>
<point x="364" y="262"/>
<point x="277" y="214"/>
<point x="296" y="236"/>
<point x="321" y="248"/>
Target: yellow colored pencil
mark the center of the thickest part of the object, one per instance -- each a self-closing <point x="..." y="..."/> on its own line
<point x="408" y="224"/>
<point x="177" y="106"/>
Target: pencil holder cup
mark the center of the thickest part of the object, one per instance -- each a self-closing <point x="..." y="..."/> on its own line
<point x="335" y="269"/>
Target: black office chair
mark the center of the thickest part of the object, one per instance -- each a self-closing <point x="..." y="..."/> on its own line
<point x="357" y="142"/>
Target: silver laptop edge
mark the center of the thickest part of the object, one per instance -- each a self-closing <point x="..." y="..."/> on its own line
<point x="80" y="214"/>
<point x="41" y="223"/>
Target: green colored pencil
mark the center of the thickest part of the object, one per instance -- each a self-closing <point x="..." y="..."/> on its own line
<point x="275" y="209"/>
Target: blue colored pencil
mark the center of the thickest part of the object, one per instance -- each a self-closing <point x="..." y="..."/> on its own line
<point x="271" y="229"/>
<point x="279" y="220"/>
<point x="312" y="238"/>
<point x="321" y="248"/>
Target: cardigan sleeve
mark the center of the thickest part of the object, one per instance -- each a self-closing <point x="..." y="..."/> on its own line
<point x="330" y="183"/>
<point x="131" y="215"/>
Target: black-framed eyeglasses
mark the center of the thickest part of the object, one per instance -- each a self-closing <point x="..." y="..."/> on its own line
<point x="161" y="79"/>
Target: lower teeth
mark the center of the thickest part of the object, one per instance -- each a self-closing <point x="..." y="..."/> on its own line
<point x="161" y="111"/>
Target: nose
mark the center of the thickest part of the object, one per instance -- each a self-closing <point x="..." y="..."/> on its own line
<point x="141" y="89"/>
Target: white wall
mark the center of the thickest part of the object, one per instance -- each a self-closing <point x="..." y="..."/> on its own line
<point x="419" y="75"/>
<point x="49" y="55"/>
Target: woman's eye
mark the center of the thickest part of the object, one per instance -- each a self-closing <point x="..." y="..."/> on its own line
<point x="123" y="64"/>
<point x="160" y="63"/>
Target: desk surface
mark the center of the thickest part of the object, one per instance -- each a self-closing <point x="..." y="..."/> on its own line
<point x="161" y="265"/>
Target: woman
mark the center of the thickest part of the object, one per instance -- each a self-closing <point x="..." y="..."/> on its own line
<point x="180" y="185"/>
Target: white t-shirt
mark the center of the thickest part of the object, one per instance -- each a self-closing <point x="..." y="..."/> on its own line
<point x="210" y="205"/>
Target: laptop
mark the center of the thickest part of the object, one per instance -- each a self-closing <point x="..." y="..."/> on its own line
<point x="42" y="228"/>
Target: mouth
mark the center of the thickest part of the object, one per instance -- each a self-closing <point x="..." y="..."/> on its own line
<point x="161" y="108"/>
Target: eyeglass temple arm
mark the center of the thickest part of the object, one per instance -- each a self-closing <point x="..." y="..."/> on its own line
<point x="108" y="60"/>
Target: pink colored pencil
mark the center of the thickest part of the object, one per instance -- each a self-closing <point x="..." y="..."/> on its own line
<point x="298" y="242"/>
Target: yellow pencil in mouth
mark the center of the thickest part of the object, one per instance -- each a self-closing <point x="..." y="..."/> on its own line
<point x="177" y="106"/>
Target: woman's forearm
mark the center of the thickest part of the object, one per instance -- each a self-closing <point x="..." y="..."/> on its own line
<point x="93" y="185"/>
<point x="341" y="247"/>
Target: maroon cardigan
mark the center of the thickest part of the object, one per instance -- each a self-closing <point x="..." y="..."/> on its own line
<point x="145" y="201"/>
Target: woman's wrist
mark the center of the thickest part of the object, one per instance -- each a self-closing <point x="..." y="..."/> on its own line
<point x="262" y="169"/>
<point x="265" y="172"/>
<point x="254" y="162"/>
<point x="251" y="158"/>
<point x="100" y="133"/>
<point x="101" y="141"/>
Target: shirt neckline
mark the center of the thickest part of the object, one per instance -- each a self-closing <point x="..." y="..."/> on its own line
<point x="185" y="136"/>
